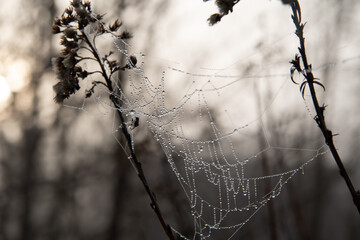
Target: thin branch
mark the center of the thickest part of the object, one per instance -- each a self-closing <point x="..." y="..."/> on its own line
<point x="85" y="58"/>
<point x="94" y="73"/>
<point x="83" y="47"/>
<point x="320" y="119"/>
<point x="136" y="163"/>
<point x="116" y="70"/>
<point x="99" y="82"/>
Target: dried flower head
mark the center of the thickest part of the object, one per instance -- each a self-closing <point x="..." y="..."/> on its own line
<point x="71" y="25"/>
<point x="214" y="18"/>
<point x="55" y="29"/>
<point x="75" y="3"/>
<point x="57" y="22"/>
<point x="224" y="6"/>
<point x="115" y="26"/>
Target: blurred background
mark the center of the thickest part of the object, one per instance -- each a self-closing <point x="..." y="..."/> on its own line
<point x="64" y="176"/>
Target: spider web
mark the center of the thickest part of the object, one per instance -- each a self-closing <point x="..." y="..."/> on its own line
<point x="212" y="125"/>
<point x="218" y="177"/>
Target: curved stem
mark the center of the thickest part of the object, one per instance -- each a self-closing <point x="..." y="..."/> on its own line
<point x="135" y="161"/>
<point x="90" y="73"/>
<point x="86" y="58"/>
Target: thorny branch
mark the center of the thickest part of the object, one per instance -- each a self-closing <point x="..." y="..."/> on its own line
<point x="72" y="26"/>
<point x="306" y="71"/>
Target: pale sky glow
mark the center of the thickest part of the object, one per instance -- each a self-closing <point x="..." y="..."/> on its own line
<point x="17" y="74"/>
<point x="13" y="78"/>
<point x="4" y="90"/>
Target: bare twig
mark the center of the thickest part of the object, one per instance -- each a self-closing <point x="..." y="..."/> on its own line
<point x="226" y="6"/>
<point x="306" y="71"/>
<point x="72" y="26"/>
<point x="136" y="163"/>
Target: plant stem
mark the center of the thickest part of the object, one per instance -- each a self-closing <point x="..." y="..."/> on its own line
<point x="135" y="161"/>
<point x="320" y="119"/>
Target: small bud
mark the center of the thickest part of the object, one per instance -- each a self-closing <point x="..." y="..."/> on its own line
<point x="213" y="19"/>
<point x="60" y="93"/>
<point x="116" y="25"/>
<point x="65" y="21"/>
<point x="70" y="32"/>
<point x="65" y="51"/>
<point x="77" y="69"/>
<point x="70" y="60"/>
<point x="68" y="44"/>
<point x="75" y="3"/>
<point x="83" y="74"/>
<point x="225" y="6"/>
<point x="57" y="22"/>
<point x="80" y="73"/>
<point x="72" y="44"/>
<point x="55" y="29"/>
<point x="98" y="17"/>
<point x="58" y="87"/>
<point x="83" y="22"/>
<point x="125" y="35"/>
<point x="69" y="10"/>
<point x="87" y="5"/>
<point x="89" y="93"/>
<point x="59" y="65"/>
<point x="81" y="12"/>
<point x="133" y="61"/>
<point x="100" y="28"/>
<point x="112" y="64"/>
